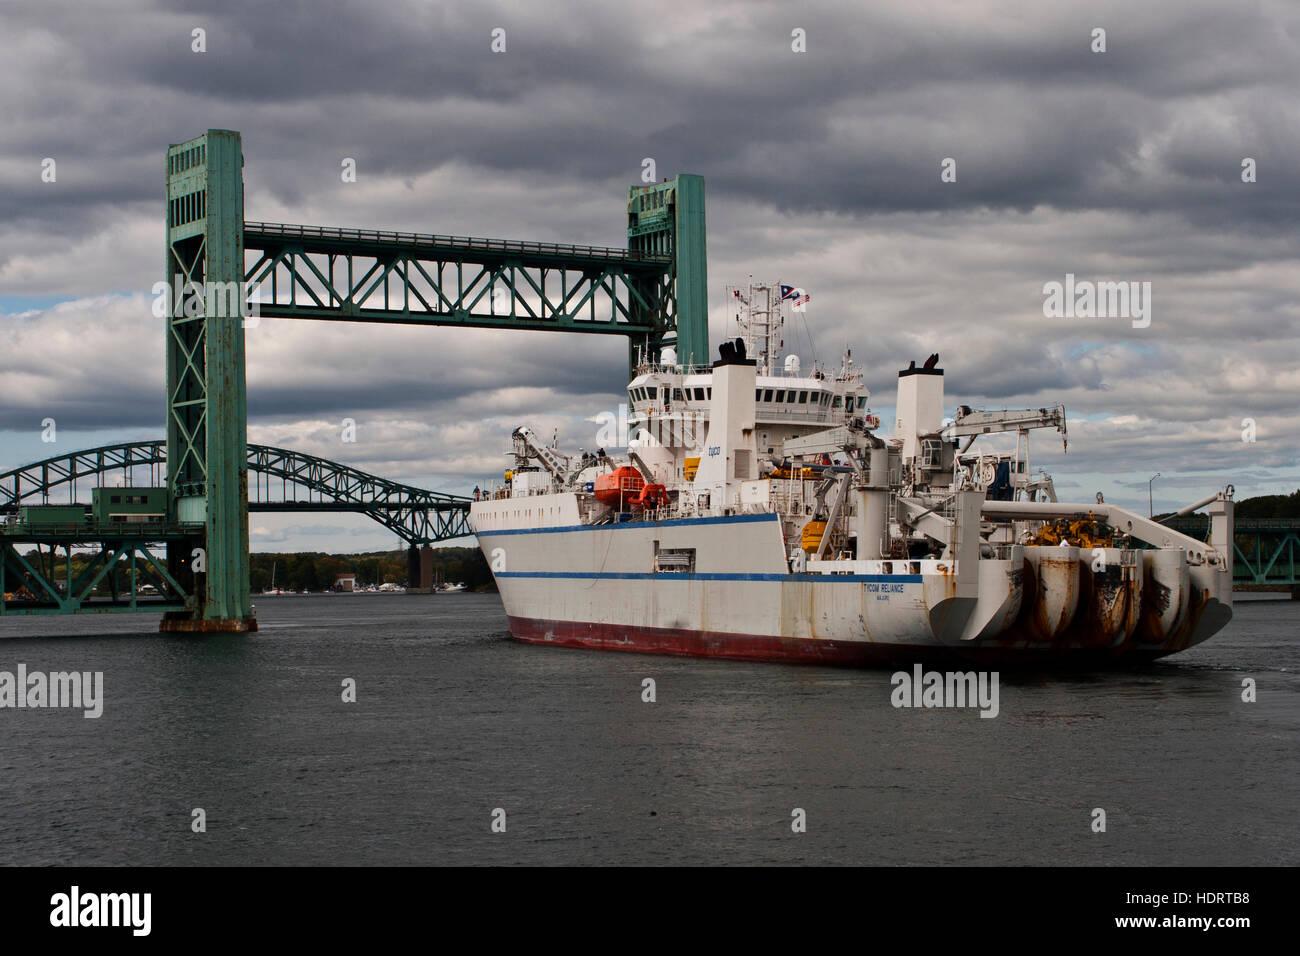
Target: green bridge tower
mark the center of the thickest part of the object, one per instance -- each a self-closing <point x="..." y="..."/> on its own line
<point x="207" y="455"/>
<point x="668" y="219"/>
<point x="655" y="291"/>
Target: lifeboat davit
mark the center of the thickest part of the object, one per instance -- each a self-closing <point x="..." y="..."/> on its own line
<point x="652" y="496"/>
<point x="618" y="487"/>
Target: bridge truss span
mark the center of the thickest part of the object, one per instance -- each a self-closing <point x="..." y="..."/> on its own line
<point x="282" y="480"/>
<point x="317" y="272"/>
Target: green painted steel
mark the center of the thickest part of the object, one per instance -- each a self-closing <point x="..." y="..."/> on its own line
<point x="128" y="503"/>
<point x="356" y="275"/>
<point x="46" y="516"/>
<point x="1266" y="555"/>
<point x="1265" y="549"/>
<point x="283" y="480"/>
<point x="206" y="393"/>
<point x="418" y="516"/>
<point x="36" y="584"/>
<point x="654" y="292"/>
<point x="668" y="219"/>
<point x="38" y="581"/>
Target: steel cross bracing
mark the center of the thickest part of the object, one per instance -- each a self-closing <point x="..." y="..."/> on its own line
<point x="284" y="481"/>
<point x="654" y="292"/>
<point x="1265" y="549"/>
<point x="315" y="272"/>
<point x="32" y="583"/>
<point x="418" y="516"/>
<point x="207" y="402"/>
<point x="1269" y="552"/>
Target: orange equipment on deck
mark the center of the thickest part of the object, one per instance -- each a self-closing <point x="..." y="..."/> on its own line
<point x="618" y="487"/>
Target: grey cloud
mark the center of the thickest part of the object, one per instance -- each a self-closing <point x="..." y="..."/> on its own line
<point x="822" y="170"/>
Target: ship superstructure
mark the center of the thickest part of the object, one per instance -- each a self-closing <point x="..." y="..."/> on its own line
<point x="754" y="511"/>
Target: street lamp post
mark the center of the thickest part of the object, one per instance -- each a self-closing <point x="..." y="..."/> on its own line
<point x="1151" y="511"/>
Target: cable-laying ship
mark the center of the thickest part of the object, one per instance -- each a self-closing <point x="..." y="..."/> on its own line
<point x="757" y="513"/>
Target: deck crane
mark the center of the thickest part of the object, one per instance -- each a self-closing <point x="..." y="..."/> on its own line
<point x="971" y="424"/>
<point x="565" y="469"/>
<point x="528" y="445"/>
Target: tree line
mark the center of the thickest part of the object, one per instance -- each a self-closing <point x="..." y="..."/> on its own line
<point x="317" y="571"/>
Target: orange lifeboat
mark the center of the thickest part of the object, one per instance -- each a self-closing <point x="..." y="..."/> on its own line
<point x="618" y="487"/>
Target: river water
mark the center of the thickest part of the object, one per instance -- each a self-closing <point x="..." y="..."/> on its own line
<point x="453" y="721"/>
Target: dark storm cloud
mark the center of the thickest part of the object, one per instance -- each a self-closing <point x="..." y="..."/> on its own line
<point x="295" y="369"/>
<point x="822" y="169"/>
<point x="860" y="123"/>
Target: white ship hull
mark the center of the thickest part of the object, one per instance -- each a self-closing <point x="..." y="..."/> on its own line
<point x="577" y="585"/>
<point x="758" y="515"/>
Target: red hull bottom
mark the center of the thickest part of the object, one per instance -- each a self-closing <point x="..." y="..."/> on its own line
<point x="681" y="642"/>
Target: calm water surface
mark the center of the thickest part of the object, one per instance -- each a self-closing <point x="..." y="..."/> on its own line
<point x="453" y="720"/>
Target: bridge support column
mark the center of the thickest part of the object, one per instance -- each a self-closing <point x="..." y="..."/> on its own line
<point x="207" y="453"/>
<point x="419" y="570"/>
<point x="668" y="219"/>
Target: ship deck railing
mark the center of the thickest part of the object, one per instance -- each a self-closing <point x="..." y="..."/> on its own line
<point x="780" y="371"/>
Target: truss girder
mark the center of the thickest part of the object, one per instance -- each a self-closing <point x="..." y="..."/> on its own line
<point x="31" y="583"/>
<point x="312" y="272"/>
<point x="415" y="514"/>
<point x="1265" y="549"/>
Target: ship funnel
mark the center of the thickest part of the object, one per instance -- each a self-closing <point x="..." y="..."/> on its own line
<point x="728" y="454"/>
<point x="920" y="404"/>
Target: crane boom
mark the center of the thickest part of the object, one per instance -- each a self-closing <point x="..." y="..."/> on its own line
<point x="528" y="445"/>
<point x="971" y="424"/>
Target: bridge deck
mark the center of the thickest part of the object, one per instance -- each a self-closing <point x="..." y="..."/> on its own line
<point x="267" y="235"/>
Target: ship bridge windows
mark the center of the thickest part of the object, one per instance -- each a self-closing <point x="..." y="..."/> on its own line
<point x="699" y="394"/>
<point x="803" y="398"/>
<point x="767" y="395"/>
<point x="838" y="402"/>
<point x="862" y="401"/>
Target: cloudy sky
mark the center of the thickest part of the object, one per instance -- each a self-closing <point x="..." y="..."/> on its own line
<point x="822" y="168"/>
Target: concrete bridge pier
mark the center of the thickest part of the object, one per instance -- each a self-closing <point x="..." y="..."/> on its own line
<point x="419" y="565"/>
